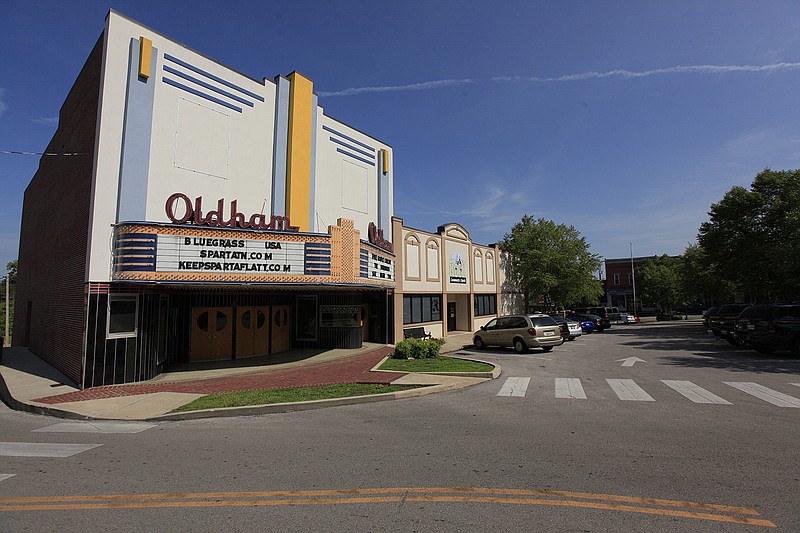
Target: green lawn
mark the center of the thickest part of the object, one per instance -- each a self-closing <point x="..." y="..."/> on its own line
<point x="438" y="364"/>
<point x="300" y="394"/>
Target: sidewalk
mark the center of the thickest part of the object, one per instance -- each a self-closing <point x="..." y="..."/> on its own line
<point x="27" y="383"/>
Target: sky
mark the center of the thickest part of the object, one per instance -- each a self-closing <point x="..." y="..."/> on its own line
<point x="623" y="119"/>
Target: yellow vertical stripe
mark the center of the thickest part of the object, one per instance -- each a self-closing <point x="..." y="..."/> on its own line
<point x="145" y="56"/>
<point x="298" y="158"/>
<point x="385" y="155"/>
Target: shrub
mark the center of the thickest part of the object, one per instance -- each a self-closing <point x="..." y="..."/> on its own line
<point x="417" y="349"/>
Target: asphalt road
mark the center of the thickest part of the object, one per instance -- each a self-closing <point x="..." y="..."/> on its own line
<point x="549" y="446"/>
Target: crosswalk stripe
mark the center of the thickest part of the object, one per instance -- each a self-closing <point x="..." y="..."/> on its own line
<point x="5" y="476"/>
<point x="627" y="389"/>
<point x="514" y="387"/>
<point x="763" y="393"/>
<point x="569" y="388"/>
<point x="693" y="392"/>
<point x="40" y="449"/>
<point x="95" y="427"/>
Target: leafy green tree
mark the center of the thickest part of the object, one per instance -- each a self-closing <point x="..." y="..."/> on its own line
<point x="551" y="262"/>
<point x="752" y="238"/>
<point x="11" y="267"/>
<point x="661" y="282"/>
<point x="701" y="279"/>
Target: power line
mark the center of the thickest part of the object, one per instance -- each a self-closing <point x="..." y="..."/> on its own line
<point x="17" y="152"/>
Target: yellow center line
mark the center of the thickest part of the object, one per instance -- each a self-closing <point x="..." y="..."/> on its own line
<point x="371" y="495"/>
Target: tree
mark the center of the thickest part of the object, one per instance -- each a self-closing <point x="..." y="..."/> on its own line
<point x="11" y="267"/>
<point x="701" y="279"/>
<point x="752" y="238"/>
<point x="551" y="262"/>
<point x="661" y="282"/>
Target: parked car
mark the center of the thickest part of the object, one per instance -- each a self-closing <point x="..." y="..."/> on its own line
<point x="521" y="332"/>
<point x="589" y="323"/>
<point x="605" y="314"/>
<point x="631" y="319"/>
<point x="569" y="328"/>
<point x="723" y="322"/>
<point x="767" y="328"/>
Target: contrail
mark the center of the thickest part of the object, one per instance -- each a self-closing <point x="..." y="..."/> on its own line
<point x="618" y="73"/>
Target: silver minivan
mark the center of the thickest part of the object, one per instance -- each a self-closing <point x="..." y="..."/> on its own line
<point x="521" y="332"/>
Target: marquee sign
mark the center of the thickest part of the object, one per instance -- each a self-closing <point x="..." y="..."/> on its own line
<point x="177" y="253"/>
<point x="192" y="213"/>
<point x="376" y="237"/>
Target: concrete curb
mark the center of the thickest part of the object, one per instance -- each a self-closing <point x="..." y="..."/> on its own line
<point x="35" y="408"/>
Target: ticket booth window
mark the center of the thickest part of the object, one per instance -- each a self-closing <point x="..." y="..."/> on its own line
<point x="122" y="311"/>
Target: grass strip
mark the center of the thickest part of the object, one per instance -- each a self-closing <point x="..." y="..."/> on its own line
<point x="296" y="394"/>
<point x="436" y="364"/>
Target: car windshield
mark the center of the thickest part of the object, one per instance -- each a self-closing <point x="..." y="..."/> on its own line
<point x="541" y="321"/>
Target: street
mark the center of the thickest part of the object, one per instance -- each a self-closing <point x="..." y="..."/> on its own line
<point x="693" y="435"/>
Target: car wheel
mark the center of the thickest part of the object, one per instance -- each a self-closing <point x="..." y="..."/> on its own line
<point x="733" y="341"/>
<point x="547" y="348"/>
<point x="520" y="346"/>
<point x="479" y="344"/>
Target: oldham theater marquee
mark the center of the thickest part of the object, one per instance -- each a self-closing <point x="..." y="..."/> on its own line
<point x="224" y="245"/>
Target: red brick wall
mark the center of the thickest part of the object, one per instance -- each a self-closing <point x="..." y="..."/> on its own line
<point x="53" y="236"/>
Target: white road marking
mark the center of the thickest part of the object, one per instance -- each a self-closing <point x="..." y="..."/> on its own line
<point x="693" y="392"/>
<point x="6" y="476"/>
<point x="40" y="449"/>
<point x="95" y="427"/>
<point x="763" y="393"/>
<point x="569" y="388"/>
<point x="514" y="387"/>
<point x="627" y="389"/>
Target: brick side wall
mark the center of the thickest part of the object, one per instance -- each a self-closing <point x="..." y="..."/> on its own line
<point x="50" y="311"/>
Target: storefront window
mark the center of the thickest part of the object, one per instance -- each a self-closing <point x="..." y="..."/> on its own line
<point x="485" y="304"/>
<point x="121" y="316"/>
<point x="417" y="309"/>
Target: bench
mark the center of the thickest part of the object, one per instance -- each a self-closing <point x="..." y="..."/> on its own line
<point x="416" y="333"/>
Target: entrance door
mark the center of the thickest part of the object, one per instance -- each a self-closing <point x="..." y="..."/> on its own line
<point x="212" y="333"/>
<point x="252" y="331"/>
<point x="365" y="323"/>
<point x="281" y="328"/>
<point x="451" y="316"/>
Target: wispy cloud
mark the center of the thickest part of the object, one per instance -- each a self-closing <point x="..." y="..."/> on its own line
<point x="421" y="86"/>
<point x="617" y="73"/>
<point x="47" y="121"/>
<point x="3" y="105"/>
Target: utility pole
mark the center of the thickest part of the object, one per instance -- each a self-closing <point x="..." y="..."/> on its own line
<point x="6" y="336"/>
<point x="633" y="280"/>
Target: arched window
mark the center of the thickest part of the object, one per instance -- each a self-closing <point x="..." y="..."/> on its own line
<point x="432" y="260"/>
<point x="412" y="257"/>
<point x="490" y="268"/>
<point x="477" y="265"/>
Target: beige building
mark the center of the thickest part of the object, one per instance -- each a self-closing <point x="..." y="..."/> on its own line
<point x="447" y="283"/>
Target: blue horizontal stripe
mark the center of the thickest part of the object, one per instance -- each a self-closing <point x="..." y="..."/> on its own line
<point x="208" y="86"/>
<point x="125" y="259"/>
<point x="213" y="77"/>
<point x="355" y="157"/>
<point x="317" y="272"/>
<point x="200" y="94"/>
<point x="343" y="136"/>
<point x="151" y="236"/>
<point x="151" y="268"/>
<point x="353" y="148"/>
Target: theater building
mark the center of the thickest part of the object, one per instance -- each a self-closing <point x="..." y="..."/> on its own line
<point x="194" y="213"/>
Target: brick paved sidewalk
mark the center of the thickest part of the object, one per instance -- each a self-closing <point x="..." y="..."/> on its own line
<point x="354" y="369"/>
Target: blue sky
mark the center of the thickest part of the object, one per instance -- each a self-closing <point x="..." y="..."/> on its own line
<point x="624" y="119"/>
